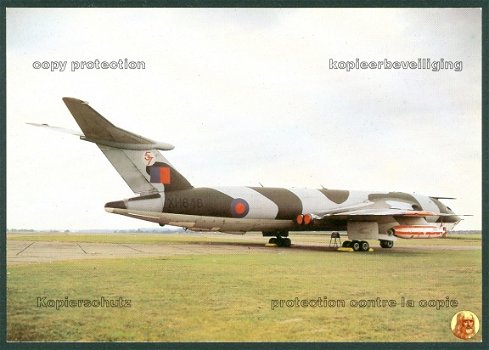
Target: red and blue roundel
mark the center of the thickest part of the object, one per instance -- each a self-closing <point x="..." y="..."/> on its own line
<point x="239" y="208"/>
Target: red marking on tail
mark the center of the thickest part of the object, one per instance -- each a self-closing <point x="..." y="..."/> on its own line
<point x="165" y="176"/>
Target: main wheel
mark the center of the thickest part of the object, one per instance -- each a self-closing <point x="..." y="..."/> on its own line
<point x="272" y="240"/>
<point x="355" y="245"/>
<point x="287" y="242"/>
<point x="346" y="244"/>
<point x="364" y="246"/>
<point x="280" y="241"/>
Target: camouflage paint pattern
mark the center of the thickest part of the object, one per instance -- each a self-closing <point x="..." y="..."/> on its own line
<point x="165" y="196"/>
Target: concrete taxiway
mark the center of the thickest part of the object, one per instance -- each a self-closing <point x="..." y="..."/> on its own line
<point x="26" y="251"/>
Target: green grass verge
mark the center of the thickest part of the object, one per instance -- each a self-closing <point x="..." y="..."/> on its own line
<point x="228" y="297"/>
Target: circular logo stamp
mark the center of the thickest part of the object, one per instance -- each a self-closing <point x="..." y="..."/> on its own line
<point x="239" y="208"/>
<point x="465" y="324"/>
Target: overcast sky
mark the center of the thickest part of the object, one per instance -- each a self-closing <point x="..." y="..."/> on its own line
<point x="246" y="96"/>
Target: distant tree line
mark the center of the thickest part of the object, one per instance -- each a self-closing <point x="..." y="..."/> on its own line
<point x="467" y="232"/>
<point x="28" y="230"/>
<point x="166" y="230"/>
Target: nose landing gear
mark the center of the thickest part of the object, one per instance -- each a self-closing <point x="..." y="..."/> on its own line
<point x="386" y="244"/>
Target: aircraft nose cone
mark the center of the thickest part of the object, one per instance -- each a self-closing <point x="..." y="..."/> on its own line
<point x="115" y="205"/>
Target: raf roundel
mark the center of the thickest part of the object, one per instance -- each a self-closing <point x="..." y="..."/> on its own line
<point x="239" y="208"/>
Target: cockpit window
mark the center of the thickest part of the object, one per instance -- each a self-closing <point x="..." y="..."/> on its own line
<point x="416" y="207"/>
<point x="449" y="208"/>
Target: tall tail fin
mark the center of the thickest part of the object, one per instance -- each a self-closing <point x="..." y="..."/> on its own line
<point x="135" y="158"/>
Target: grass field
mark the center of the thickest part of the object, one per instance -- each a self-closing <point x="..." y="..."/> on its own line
<point x="229" y="297"/>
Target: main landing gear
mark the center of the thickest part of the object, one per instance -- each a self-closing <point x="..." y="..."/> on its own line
<point x="280" y="241"/>
<point x="357" y="246"/>
<point x="280" y="238"/>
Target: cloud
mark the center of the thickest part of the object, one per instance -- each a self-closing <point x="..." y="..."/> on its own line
<point x="246" y="95"/>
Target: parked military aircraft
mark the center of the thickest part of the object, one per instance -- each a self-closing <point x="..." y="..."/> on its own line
<point x="166" y="197"/>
